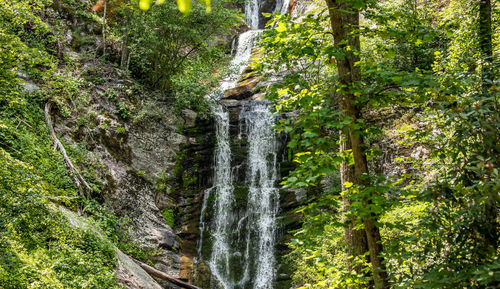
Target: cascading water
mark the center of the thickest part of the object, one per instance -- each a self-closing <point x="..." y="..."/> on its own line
<point x="236" y="261"/>
<point x="221" y="251"/>
<point x="253" y="7"/>
<point x="282" y="6"/>
<point x="242" y="239"/>
<point x="263" y="200"/>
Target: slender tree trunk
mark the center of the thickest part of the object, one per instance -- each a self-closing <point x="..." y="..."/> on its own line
<point x="73" y="171"/>
<point x="152" y="271"/>
<point x="414" y="29"/>
<point x="356" y="241"/>
<point x="125" y="52"/>
<point x="375" y="246"/>
<point x="344" y="20"/>
<point x="125" y="34"/>
<point x="104" y="27"/>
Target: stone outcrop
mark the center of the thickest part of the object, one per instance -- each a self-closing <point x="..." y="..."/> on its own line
<point x="134" y="153"/>
<point x="131" y="275"/>
<point x="154" y="144"/>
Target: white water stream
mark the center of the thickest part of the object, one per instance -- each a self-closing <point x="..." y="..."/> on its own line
<point x="242" y="248"/>
<point x="263" y="199"/>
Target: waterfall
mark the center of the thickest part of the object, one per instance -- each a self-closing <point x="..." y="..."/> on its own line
<point x="226" y="253"/>
<point x="282" y="6"/>
<point x="240" y="60"/>
<point x="243" y="236"/>
<point x="221" y="251"/>
<point x="236" y="261"/>
<point x="263" y="200"/>
<point x="252" y="13"/>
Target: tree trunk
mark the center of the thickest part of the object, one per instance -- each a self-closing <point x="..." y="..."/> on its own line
<point x="164" y="276"/>
<point x="125" y="52"/>
<point x="344" y="19"/>
<point x="125" y="34"/>
<point x="356" y="241"/>
<point x="104" y="28"/>
<point x="75" y="174"/>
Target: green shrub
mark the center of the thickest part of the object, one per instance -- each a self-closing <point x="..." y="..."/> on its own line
<point x="39" y="248"/>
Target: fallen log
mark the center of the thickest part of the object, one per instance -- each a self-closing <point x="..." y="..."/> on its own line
<point x="77" y="177"/>
<point x="164" y="276"/>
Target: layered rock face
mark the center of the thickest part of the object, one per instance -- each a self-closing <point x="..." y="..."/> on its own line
<point x="135" y="157"/>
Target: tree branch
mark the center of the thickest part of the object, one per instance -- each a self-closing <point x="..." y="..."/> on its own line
<point x="164" y="276"/>
<point x="77" y="177"/>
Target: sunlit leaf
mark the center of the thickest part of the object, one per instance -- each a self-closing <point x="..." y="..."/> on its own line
<point x="208" y="9"/>
<point x="281" y="27"/>
<point x="145" y="4"/>
<point x="184" y="6"/>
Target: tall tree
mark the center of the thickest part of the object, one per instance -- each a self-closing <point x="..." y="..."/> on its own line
<point x="344" y="19"/>
<point x="104" y="5"/>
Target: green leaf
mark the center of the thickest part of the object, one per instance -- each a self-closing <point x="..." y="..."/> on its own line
<point x="301" y="184"/>
<point x="308" y="51"/>
<point x="145" y="4"/>
<point x="281" y="27"/>
<point x="184" y="6"/>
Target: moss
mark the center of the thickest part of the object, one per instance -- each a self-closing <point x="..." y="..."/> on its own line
<point x="161" y="183"/>
<point x="206" y="250"/>
<point x="188" y="179"/>
<point x="169" y="216"/>
<point x="202" y="275"/>
<point x="240" y="195"/>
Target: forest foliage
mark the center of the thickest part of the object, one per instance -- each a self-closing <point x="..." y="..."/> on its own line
<point x="45" y="50"/>
<point x="437" y="208"/>
<point x="428" y="106"/>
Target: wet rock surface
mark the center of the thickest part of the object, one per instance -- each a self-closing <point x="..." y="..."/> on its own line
<point x="195" y="178"/>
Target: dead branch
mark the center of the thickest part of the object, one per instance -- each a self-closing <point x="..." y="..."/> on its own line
<point x="77" y="177"/>
<point x="164" y="276"/>
<point x="27" y="124"/>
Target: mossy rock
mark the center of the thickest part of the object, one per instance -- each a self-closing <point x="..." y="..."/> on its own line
<point x="202" y="275"/>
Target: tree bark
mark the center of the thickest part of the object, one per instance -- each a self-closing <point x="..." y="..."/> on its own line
<point x="344" y="19"/>
<point x="104" y="28"/>
<point x="125" y="52"/>
<point x="164" y="276"/>
<point x="125" y="35"/>
<point x="356" y="241"/>
<point x="75" y="174"/>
